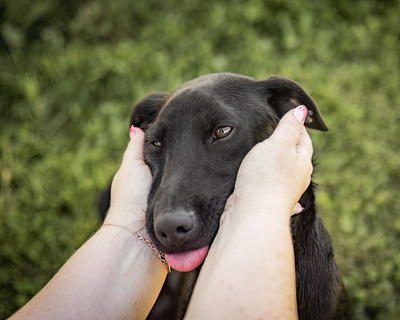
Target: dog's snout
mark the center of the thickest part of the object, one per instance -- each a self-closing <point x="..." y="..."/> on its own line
<point x="175" y="229"/>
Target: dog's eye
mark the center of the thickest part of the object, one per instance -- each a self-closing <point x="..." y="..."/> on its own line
<point x="156" y="144"/>
<point x="222" y="132"/>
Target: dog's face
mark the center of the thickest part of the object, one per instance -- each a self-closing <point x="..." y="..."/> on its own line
<point x="196" y="138"/>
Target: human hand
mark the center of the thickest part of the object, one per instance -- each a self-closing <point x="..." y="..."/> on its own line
<point x="130" y="186"/>
<point x="280" y="167"/>
<point x="254" y="235"/>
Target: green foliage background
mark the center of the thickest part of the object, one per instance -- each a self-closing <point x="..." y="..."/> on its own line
<point x="70" y="72"/>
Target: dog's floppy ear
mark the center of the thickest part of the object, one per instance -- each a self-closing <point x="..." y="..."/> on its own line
<point x="284" y="94"/>
<point x="146" y="110"/>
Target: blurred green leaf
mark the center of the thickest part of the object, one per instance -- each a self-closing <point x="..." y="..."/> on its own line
<point x="70" y="72"/>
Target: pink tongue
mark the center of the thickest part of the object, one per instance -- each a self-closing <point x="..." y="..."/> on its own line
<point x="186" y="261"/>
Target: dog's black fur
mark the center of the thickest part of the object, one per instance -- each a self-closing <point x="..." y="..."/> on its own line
<point x="194" y="171"/>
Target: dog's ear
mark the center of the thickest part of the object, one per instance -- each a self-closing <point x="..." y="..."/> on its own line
<point x="146" y="110"/>
<point x="284" y="94"/>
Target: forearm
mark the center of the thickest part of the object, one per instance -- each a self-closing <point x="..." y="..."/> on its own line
<point x="112" y="276"/>
<point x="253" y="245"/>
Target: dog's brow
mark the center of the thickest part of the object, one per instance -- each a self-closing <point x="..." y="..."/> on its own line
<point x="155" y="132"/>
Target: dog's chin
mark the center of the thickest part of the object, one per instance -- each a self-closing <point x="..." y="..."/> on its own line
<point x="187" y="261"/>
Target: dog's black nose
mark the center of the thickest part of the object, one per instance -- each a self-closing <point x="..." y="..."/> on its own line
<point x="175" y="229"/>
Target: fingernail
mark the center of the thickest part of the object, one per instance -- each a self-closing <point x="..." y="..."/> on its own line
<point x="300" y="113"/>
<point x="299" y="208"/>
<point x="132" y="132"/>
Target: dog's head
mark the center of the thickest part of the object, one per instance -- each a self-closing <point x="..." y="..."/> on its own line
<point x="196" y="138"/>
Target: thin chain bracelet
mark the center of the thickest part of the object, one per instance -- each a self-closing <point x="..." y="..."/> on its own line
<point x="146" y="241"/>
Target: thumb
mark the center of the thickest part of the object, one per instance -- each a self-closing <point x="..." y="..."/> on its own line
<point x="134" y="152"/>
<point x="289" y="128"/>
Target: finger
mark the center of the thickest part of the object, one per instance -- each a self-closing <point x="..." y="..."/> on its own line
<point x="304" y="145"/>
<point x="134" y="151"/>
<point x="289" y="127"/>
<point x="298" y="208"/>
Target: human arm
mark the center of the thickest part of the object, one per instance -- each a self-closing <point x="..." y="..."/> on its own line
<point x="113" y="275"/>
<point x="249" y="271"/>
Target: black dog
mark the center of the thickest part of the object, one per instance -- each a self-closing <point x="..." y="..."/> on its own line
<point x="196" y="138"/>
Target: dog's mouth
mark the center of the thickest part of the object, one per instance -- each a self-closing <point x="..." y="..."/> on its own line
<point x="189" y="260"/>
<point x="186" y="238"/>
<point x="186" y="261"/>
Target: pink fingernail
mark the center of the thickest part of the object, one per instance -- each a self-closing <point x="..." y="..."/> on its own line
<point x="299" y="208"/>
<point x="132" y="132"/>
<point x="300" y="113"/>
